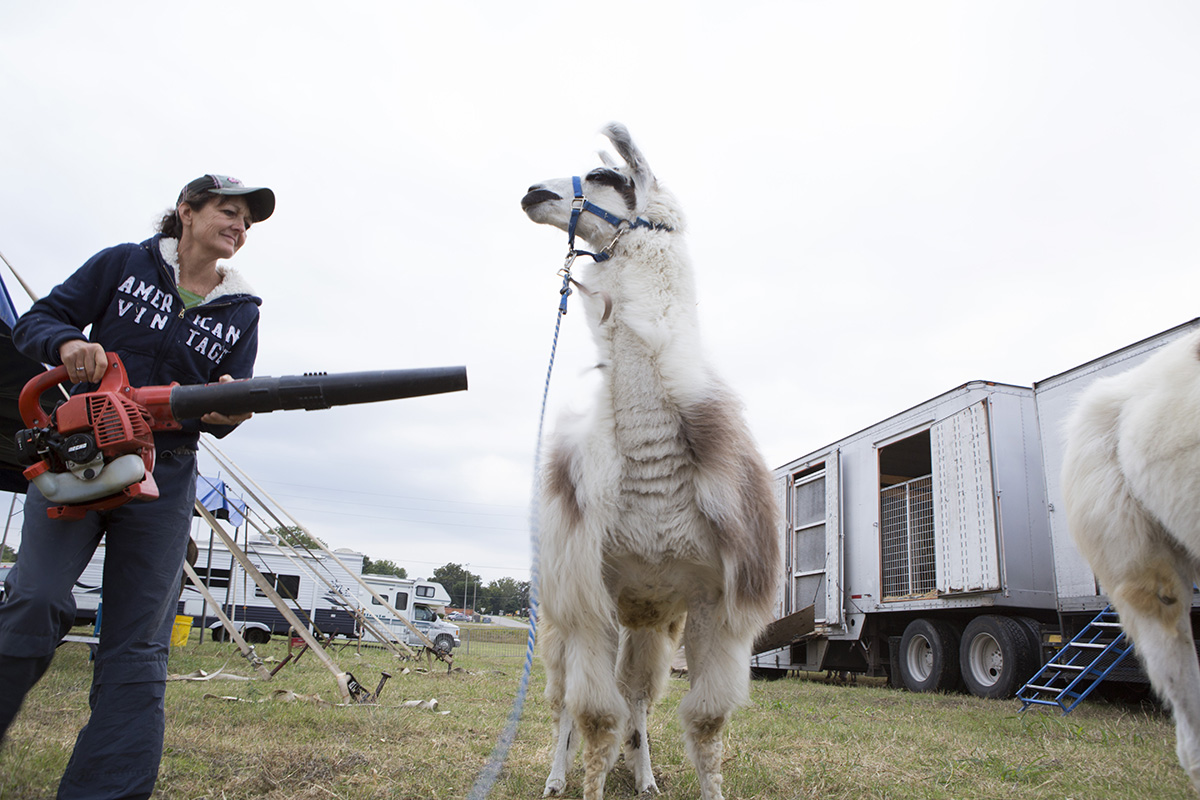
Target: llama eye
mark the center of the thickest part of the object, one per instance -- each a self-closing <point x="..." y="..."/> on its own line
<point x="607" y="177"/>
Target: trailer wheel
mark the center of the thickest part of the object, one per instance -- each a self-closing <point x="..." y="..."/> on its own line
<point x="1033" y="630"/>
<point x="444" y="644"/>
<point x="929" y="656"/>
<point x="220" y="635"/>
<point x="996" y="656"/>
<point x="256" y="636"/>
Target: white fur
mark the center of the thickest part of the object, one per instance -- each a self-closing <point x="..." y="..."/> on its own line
<point x="657" y="513"/>
<point x="232" y="281"/>
<point x="1131" y="484"/>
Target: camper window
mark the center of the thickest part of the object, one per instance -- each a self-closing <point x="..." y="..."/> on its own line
<point x="400" y="604"/>
<point x="287" y="586"/>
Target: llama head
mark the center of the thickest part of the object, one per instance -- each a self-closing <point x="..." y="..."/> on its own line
<point x="626" y="191"/>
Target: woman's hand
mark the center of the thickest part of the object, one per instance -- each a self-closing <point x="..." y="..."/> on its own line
<point x="213" y="418"/>
<point x="85" y="361"/>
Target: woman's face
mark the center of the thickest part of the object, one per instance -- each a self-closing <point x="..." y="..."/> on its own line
<point x="219" y="228"/>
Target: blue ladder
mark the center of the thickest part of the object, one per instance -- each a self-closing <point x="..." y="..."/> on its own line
<point x="1079" y="667"/>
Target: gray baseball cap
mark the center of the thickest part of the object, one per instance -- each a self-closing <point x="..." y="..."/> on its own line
<point x="261" y="200"/>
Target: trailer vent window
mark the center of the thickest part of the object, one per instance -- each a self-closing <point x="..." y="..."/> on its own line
<point x="907" y="540"/>
<point x="808" y="543"/>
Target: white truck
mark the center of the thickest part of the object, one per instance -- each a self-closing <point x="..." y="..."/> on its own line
<point x="930" y="547"/>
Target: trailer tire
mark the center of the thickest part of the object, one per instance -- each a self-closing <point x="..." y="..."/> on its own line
<point x="929" y="656"/>
<point x="1033" y="629"/>
<point x="996" y="656"/>
<point x="444" y="644"/>
<point x="256" y="636"/>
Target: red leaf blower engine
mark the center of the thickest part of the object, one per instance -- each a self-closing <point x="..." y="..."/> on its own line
<point x="95" y="451"/>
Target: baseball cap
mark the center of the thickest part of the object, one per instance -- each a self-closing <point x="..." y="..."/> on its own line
<point x="260" y="199"/>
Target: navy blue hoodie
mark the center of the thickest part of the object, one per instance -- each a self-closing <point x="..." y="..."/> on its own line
<point x="128" y="295"/>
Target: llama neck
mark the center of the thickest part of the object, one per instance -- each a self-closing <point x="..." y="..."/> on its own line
<point x="652" y="353"/>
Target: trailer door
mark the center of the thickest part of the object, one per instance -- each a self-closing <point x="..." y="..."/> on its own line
<point x="833" y="541"/>
<point x="965" y="503"/>
<point x="815" y="552"/>
<point x="783" y="605"/>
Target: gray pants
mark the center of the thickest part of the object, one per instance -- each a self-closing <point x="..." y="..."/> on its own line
<point x="118" y="752"/>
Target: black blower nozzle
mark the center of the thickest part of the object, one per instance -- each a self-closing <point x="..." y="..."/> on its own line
<point x="313" y="391"/>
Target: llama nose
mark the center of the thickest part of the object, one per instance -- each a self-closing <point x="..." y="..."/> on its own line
<point x="537" y="194"/>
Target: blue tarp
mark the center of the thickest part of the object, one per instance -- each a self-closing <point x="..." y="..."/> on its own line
<point x="214" y="495"/>
<point x="8" y="312"/>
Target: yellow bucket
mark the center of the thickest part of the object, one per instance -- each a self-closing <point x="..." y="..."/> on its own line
<point x="181" y="631"/>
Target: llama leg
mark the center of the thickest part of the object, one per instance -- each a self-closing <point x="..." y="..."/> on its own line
<point x="594" y="701"/>
<point x="644" y="663"/>
<point x="1154" y="608"/>
<point x="566" y="741"/>
<point x="719" y="670"/>
<point x="565" y="738"/>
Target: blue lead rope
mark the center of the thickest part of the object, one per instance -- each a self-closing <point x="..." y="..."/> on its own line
<point x="491" y="770"/>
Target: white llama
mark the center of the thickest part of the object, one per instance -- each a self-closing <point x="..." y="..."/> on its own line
<point x="1131" y="485"/>
<point x="658" y="518"/>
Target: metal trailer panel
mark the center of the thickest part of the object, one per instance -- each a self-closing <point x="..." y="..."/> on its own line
<point x="834" y="577"/>
<point x="1025" y="551"/>
<point x="784" y="593"/>
<point x="965" y="506"/>
<point x="1054" y="398"/>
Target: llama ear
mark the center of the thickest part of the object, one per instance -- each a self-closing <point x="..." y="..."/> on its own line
<point x="607" y="160"/>
<point x="642" y="176"/>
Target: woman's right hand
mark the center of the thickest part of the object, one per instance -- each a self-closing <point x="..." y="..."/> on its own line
<point x="85" y="361"/>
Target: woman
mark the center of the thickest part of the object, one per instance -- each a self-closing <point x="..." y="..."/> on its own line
<point x="172" y="312"/>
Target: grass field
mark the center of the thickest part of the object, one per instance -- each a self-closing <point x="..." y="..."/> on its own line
<point x="800" y="738"/>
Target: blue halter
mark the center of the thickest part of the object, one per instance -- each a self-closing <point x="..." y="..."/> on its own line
<point x="580" y="204"/>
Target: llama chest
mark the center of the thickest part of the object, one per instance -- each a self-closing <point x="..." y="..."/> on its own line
<point x="650" y="467"/>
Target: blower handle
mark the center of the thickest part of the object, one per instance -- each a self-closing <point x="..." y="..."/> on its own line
<point x="29" y="402"/>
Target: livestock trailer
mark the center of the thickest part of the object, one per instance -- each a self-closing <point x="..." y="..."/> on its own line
<point x="931" y="548"/>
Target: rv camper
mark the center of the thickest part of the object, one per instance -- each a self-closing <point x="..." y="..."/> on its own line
<point x="293" y="576"/>
<point x="928" y="547"/>
<point x="419" y="602"/>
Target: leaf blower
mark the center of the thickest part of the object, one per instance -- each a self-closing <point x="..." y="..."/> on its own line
<point x="95" y="450"/>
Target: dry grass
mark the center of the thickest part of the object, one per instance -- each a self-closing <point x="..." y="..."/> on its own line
<point x="799" y="739"/>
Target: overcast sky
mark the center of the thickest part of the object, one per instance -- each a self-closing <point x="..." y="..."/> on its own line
<point x="885" y="200"/>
